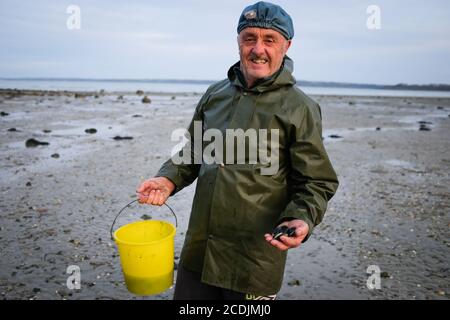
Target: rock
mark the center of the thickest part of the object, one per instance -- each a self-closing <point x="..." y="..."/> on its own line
<point x="424" y="122"/>
<point x="351" y="103"/>
<point x="46" y="131"/>
<point x="76" y="242"/>
<point x="120" y="97"/>
<point x="145" y="217"/>
<point x="424" y="128"/>
<point x="137" y="116"/>
<point x="139" y="92"/>
<point x="384" y="274"/>
<point x="440" y="292"/>
<point x="440" y="108"/>
<point x="36" y="290"/>
<point x="55" y="155"/>
<point x="377" y="129"/>
<point x="334" y="136"/>
<point x="294" y="282"/>
<point x="173" y="98"/>
<point x="146" y="100"/>
<point x="122" y="138"/>
<point x="28" y="184"/>
<point x="91" y="130"/>
<point x="4" y="114"/>
<point x="32" y="143"/>
<point x="13" y="130"/>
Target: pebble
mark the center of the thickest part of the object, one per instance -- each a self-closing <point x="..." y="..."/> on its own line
<point x="32" y="143"/>
<point x="146" y="100"/>
<point x="294" y="282"/>
<point x="122" y="138"/>
<point x="91" y="130"/>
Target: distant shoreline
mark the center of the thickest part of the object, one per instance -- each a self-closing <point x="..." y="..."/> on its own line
<point x="323" y="84"/>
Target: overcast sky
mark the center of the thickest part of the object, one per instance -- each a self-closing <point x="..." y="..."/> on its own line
<point x="197" y="40"/>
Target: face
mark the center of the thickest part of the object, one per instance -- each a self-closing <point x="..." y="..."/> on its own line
<point x="261" y="52"/>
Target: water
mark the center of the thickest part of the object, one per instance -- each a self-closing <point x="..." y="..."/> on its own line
<point x="151" y="86"/>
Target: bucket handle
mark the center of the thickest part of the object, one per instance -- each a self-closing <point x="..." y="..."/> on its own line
<point x="121" y="210"/>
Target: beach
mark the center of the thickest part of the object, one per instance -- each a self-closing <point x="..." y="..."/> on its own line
<point x="58" y="200"/>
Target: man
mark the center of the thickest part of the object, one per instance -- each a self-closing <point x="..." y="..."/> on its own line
<point x="229" y="252"/>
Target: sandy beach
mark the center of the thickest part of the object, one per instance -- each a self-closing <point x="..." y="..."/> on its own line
<point x="57" y="201"/>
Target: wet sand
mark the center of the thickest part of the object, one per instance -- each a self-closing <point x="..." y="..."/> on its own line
<point x="57" y="201"/>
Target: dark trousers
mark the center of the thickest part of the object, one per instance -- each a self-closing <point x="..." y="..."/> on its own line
<point x="188" y="286"/>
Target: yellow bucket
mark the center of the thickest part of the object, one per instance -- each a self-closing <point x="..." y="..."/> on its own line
<point x="146" y="250"/>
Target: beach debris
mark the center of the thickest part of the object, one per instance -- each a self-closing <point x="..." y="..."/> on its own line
<point x="41" y="210"/>
<point x="334" y="136"/>
<point x="32" y="143"/>
<point x="139" y="92"/>
<point x="13" y="130"/>
<point x="137" y="115"/>
<point x="294" y="282"/>
<point x="55" y="155"/>
<point x="385" y="274"/>
<point x="175" y="266"/>
<point x="36" y="290"/>
<point x="91" y="130"/>
<point x="440" y="292"/>
<point x="46" y="130"/>
<point x="122" y="138"/>
<point x="145" y="217"/>
<point x="79" y="95"/>
<point x="146" y="100"/>
<point x="4" y="114"/>
<point x="76" y="242"/>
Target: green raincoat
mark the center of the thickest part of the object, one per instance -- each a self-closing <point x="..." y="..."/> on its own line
<point x="234" y="204"/>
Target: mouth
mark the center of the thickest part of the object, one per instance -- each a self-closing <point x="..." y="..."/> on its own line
<point x="259" y="61"/>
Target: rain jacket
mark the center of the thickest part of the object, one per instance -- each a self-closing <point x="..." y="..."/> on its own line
<point x="234" y="204"/>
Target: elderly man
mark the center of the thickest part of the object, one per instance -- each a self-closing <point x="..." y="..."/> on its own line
<point x="230" y="251"/>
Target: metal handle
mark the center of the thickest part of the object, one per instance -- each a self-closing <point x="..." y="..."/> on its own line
<point x="112" y="226"/>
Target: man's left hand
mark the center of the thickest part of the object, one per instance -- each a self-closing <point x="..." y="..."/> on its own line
<point x="285" y="242"/>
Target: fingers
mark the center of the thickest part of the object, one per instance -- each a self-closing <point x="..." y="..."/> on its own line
<point x="277" y="244"/>
<point x="154" y="197"/>
<point x="146" y="186"/>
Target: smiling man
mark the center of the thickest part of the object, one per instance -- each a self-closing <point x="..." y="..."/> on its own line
<point x="231" y="250"/>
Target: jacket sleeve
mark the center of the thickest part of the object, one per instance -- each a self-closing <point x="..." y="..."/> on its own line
<point x="312" y="181"/>
<point x="185" y="173"/>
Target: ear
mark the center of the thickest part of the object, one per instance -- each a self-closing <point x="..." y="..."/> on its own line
<point x="288" y="45"/>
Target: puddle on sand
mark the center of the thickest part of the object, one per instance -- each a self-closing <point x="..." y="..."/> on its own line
<point x="400" y="163"/>
<point x="345" y="132"/>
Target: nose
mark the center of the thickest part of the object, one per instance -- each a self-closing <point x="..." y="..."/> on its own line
<point x="258" y="48"/>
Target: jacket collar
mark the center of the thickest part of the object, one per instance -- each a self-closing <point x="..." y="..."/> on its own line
<point x="283" y="77"/>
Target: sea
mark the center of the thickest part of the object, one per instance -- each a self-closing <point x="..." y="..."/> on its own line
<point x="165" y="86"/>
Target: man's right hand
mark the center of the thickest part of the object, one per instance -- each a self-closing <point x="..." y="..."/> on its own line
<point x="155" y="191"/>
